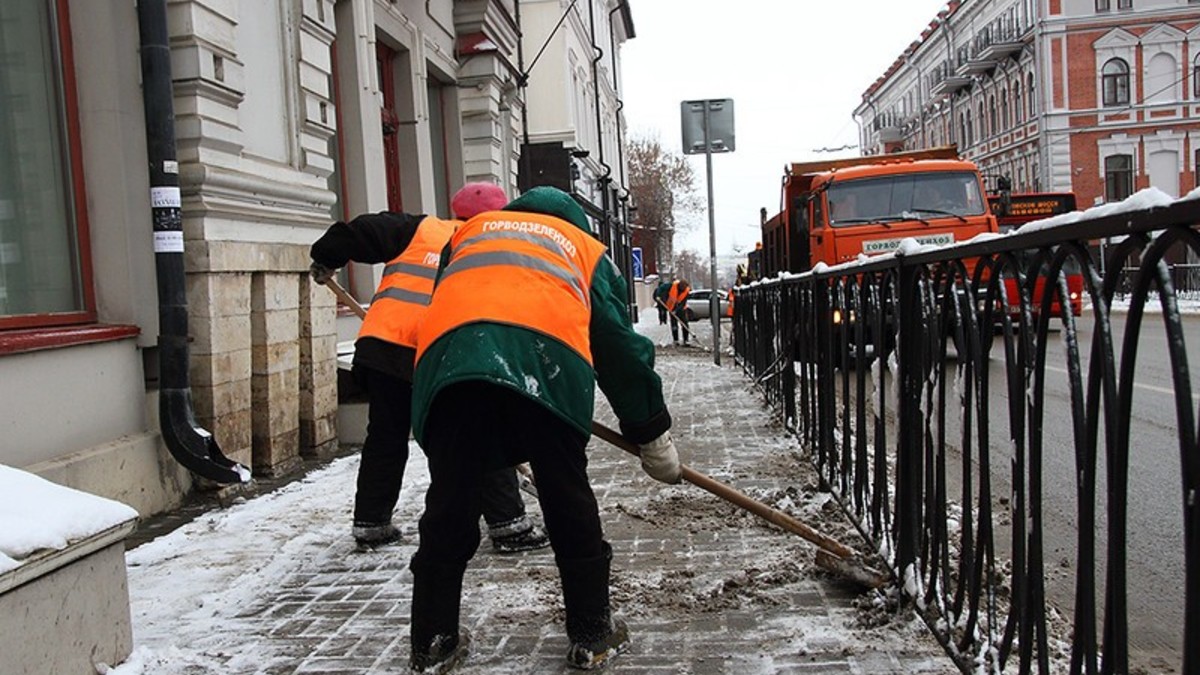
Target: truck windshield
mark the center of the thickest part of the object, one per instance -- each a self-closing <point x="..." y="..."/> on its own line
<point x="916" y="196"/>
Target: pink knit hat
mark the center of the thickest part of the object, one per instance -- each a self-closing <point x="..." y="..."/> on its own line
<point x="475" y="198"/>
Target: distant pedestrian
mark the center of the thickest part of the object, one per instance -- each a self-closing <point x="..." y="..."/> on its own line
<point x="527" y="316"/>
<point x="384" y="355"/>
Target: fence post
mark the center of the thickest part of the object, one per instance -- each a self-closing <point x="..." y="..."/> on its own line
<point x="909" y="416"/>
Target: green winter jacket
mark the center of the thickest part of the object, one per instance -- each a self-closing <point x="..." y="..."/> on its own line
<point x="546" y="370"/>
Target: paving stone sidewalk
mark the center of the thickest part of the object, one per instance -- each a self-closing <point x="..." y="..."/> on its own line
<point x="704" y="586"/>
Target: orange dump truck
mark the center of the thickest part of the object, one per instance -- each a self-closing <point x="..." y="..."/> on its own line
<point x="832" y="211"/>
<point x="1012" y="210"/>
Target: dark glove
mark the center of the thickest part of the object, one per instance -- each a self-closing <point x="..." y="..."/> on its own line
<point x="661" y="460"/>
<point x="321" y="273"/>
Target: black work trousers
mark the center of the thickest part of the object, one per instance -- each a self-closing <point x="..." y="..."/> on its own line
<point x="385" y="454"/>
<point x="677" y="317"/>
<point x="471" y="428"/>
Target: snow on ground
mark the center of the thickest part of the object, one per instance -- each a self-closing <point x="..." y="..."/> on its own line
<point x="193" y="590"/>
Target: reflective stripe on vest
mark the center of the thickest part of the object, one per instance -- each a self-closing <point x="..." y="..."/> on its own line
<point x="407" y="285"/>
<point x="522" y="269"/>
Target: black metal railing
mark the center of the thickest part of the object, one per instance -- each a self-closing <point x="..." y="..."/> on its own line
<point x="986" y="439"/>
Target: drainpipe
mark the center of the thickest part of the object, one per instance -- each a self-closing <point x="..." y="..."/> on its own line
<point x="622" y="206"/>
<point x="598" y="55"/>
<point x="191" y="446"/>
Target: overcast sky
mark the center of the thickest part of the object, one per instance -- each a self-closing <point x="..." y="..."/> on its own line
<point x="795" y="70"/>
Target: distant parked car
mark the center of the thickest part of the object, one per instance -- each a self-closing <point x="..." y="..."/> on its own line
<point x="698" y="304"/>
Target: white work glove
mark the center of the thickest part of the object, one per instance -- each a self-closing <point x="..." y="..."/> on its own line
<point x="321" y="273"/>
<point x="661" y="460"/>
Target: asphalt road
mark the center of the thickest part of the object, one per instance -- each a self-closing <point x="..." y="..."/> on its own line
<point x="1154" y="546"/>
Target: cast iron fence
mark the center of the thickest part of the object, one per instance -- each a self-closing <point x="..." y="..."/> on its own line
<point x="883" y="369"/>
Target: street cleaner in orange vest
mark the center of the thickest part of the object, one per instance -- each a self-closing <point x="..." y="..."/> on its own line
<point x="677" y="307"/>
<point x="384" y="354"/>
<point x="528" y="315"/>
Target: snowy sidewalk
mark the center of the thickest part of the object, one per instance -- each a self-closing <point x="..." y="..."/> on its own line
<point x="274" y="585"/>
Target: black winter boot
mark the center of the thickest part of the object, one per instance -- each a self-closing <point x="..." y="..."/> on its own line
<point x="437" y="641"/>
<point x="595" y="636"/>
<point x="442" y="654"/>
<point x="370" y="535"/>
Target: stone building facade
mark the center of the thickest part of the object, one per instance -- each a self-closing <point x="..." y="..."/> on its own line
<point x="1097" y="97"/>
<point x="288" y="114"/>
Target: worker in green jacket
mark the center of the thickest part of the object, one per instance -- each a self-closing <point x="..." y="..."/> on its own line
<point x="527" y="316"/>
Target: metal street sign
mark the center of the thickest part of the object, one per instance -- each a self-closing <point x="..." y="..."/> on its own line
<point x="636" y="254"/>
<point x="708" y="128"/>
<point x="720" y="126"/>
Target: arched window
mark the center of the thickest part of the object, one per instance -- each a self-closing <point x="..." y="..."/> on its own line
<point x="1004" y="109"/>
<point x="1161" y="79"/>
<point x="1030" y="100"/>
<point x="981" y="120"/>
<point x="1018" y="111"/>
<point x="1114" y="77"/>
<point x="993" y="121"/>
<point x="1196" y="77"/>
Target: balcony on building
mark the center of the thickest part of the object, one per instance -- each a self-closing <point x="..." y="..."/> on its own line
<point x="891" y="134"/>
<point x="951" y="84"/>
<point x="977" y="64"/>
<point x="998" y="51"/>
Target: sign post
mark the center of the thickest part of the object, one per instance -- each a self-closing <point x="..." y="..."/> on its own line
<point x="708" y="128"/>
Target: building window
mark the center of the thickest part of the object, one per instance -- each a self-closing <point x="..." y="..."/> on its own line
<point x="1196" y="72"/>
<point x="45" y="275"/>
<point x="1018" y="111"/>
<point x="1114" y="78"/>
<point x="1030" y="102"/>
<point x="1102" y="5"/>
<point x="1124" y="4"/>
<point x="1118" y="177"/>
<point x="1004" y="109"/>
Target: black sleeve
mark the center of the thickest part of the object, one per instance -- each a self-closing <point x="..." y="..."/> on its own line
<point x="369" y="238"/>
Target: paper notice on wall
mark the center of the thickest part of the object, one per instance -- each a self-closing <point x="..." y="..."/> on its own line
<point x="164" y="197"/>
<point x="168" y="242"/>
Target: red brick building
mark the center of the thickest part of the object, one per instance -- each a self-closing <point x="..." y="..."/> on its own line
<point x="1099" y="97"/>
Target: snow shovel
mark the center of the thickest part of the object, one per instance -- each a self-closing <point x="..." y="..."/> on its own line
<point x="832" y="556"/>
<point x="684" y="325"/>
<point x="346" y="298"/>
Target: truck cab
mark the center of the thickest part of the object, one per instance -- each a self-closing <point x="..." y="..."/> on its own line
<point x="836" y="210"/>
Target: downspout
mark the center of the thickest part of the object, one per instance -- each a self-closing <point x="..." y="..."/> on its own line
<point x="522" y="75"/>
<point x="598" y="55"/>
<point x="623" y="213"/>
<point x="612" y="47"/>
<point x="193" y="447"/>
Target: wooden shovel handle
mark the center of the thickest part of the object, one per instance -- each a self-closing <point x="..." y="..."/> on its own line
<point x="346" y="298"/>
<point x="736" y="498"/>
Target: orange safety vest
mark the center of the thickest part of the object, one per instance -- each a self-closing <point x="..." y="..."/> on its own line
<point x="677" y="295"/>
<point x="404" y="291"/>
<point x="520" y="269"/>
<point x="729" y="307"/>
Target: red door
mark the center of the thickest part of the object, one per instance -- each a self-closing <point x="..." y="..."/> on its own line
<point x="384" y="60"/>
